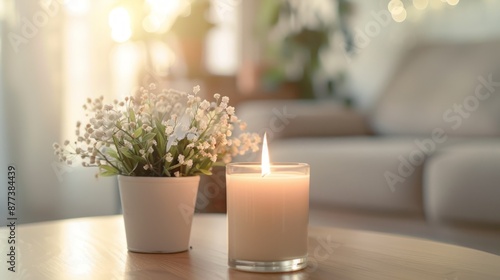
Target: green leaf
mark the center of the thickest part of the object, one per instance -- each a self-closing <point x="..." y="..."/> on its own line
<point x="132" y="115"/>
<point x="161" y="143"/>
<point x="165" y="170"/>
<point x="133" y="169"/>
<point x="137" y="132"/>
<point x="206" y="172"/>
<point x="190" y="155"/>
<point x="148" y="137"/>
<point x="127" y="153"/>
<point x="107" y="170"/>
<point x="113" y="153"/>
<point x="107" y="174"/>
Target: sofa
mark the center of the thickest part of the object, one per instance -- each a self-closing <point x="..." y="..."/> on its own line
<point x="423" y="160"/>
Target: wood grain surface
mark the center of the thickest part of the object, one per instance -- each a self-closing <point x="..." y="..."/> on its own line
<point x="95" y="248"/>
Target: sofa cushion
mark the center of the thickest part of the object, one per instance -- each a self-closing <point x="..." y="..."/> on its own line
<point x="301" y="118"/>
<point x="357" y="173"/>
<point x="462" y="185"/>
<point x="449" y="86"/>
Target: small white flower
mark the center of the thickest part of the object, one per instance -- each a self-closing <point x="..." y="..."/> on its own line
<point x="227" y="158"/>
<point x="109" y="133"/>
<point x="203" y="127"/>
<point x="196" y="89"/>
<point x="168" y="157"/>
<point x="98" y="134"/>
<point x="243" y="125"/>
<point x="128" y="144"/>
<point x="204" y="105"/>
<point x="111" y="117"/>
<point x="192" y="137"/>
<point x="180" y="158"/>
<point x="230" y="110"/>
<point x="213" y="158"/>
<point x="236" y="142"/>
<point x="98" y="124"/>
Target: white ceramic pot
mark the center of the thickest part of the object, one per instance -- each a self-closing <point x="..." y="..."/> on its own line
<point x="158" y="212"/>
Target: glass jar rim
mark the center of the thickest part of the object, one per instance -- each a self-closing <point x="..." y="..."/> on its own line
<point x="273" y="164"/>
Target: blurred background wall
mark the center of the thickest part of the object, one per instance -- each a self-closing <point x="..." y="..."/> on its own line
<point x="56" y="53"/>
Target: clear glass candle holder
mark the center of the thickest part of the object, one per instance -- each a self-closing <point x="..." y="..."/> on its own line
<point x="267" y="216"/>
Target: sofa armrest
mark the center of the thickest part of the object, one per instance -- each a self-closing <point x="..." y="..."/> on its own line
<point x="302" y="118"/>
<point x="461" y="185"/>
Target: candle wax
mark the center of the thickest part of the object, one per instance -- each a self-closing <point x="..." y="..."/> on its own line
<point x="267" y="216"/>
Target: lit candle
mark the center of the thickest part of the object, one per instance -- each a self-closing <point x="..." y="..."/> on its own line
<point x="267" y="210"/>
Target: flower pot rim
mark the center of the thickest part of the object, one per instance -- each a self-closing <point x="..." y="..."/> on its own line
<point x="128" y="176"/>
<point x="155" y="179"/>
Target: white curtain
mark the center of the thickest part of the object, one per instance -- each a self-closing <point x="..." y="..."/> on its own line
<point x="4" y="157"/>
<point x="35" y="97"/>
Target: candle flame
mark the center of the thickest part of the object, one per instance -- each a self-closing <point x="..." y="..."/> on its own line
<point x="265" y="165"/>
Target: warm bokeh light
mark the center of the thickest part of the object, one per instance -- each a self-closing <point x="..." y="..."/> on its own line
<point x="395" y="6"/>
<point x="163" y="56"/>
<point x="77" y="7"/>
<point x="266" y="164"/>
<point x="2" y="9"/>
<point x="164" y="7"/>
<point x="397" y="10"/>
<point x="162" y="14"/>
<point x="420" y="4"/>
<point x="401" y="13"/>
<point x="151" y="23"/>
<point x="120" y="23"/>
<point x="400" y="17"/>
<point x="437" y="4"/>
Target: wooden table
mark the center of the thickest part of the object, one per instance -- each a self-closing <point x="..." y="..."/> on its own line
<point x="95" y="248"/>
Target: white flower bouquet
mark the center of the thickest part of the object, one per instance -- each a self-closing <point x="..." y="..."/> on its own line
<point x="158" y="133"/>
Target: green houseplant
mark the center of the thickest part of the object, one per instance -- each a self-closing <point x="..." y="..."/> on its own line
<point x="157" y="142"/>
<point x="159" y="133"/>
<point x="296" y="35"/>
